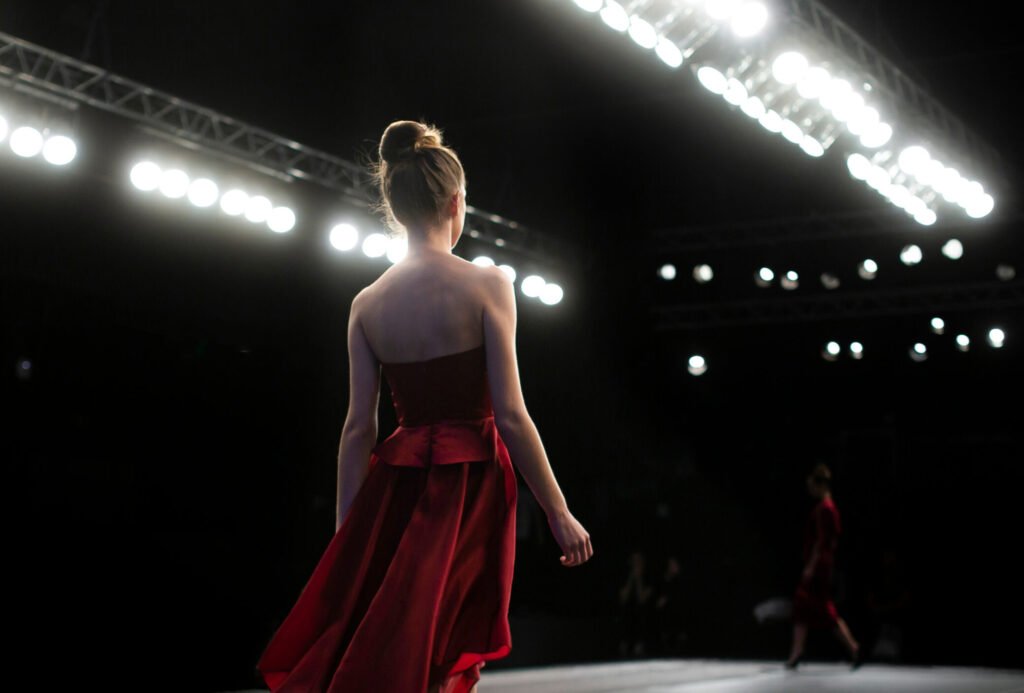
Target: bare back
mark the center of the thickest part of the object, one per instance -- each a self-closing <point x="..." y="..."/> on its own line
<point x="425" y="307"/>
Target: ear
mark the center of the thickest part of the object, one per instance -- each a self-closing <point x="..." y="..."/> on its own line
<point x="453" y="205"/>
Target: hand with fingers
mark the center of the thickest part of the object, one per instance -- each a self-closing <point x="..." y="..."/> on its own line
<point x="573" y="539"/>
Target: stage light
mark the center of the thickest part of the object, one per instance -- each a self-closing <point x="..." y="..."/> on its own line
<point x="735" y="93"/>
<point x="532" y="285"/>
<point x="813" y="82"/>
<point x="713" y="80"/>
<point x="918" y="352"/>
<point x="233" y="202"/>
<point x="60" y="150"/>
<point x="343" y="236"/>
<point x="771" y="121"/>
<point x="953" y="249"/>
<point x="811" y="146"/>
<point x="508" y="270"/>
<point x="867" y="269"/>
<point x="764" y="277"/>
<point x="790" y="280"/>
<point x="791" y="131"/>
<point x="862" y="119"/>
<point x="938" y="325"/>
<point x="859" y="165"/>
<point x="848" y="107"/>
<point x="834" y="94"/>
<point x="996" y="337"/>
<point x="749" y="19"/>
<point x="876" y="135"/>
<point x="281" y="219"/>
<point x="398" y="247"/>
<point x="831" y="351"/>
<point x="910" y="255"/>
<point x="642" y="33"/>
<point x="589" y="5"/>
<point x="145" y="176"/>
<point x="703" y="274"/>
<point x="669" y="53"/>
<point x="878" y="178"/>
<point x="982" y="207"/>
<point x="829" y="281"/>
<point x="1005" y="272"/>
<point x="697" y="365"/>
<point x="963" y="342"/>
<point x="721" y="9"/>
<point x="483" y="261"/>
<point x="375" y="245"/>
<point x="26" y="141"/>
<point x="615" y="16"/>
<point x="257" y="209"/>
<point x="551" y="294"/>
<point x="856" y="350"/>
<point x="667" y="272"/>
<point x="202" y="192"/>
<point x="753" y="107"/>
<point x="925" y="217"/>
<point x="914" y="159"/>
<point x="3" y="128"/>
<point x="789" y="67"/>
<point x="174" y="183"/>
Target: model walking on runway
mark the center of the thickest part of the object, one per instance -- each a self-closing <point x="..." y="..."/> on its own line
<point x="412" y="593"/>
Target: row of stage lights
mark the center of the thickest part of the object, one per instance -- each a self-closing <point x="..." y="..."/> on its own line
<point x="918" y="352"/>
<point x="176" y="184"/>
<point x="910" y="255"/>
<point x="805" y="103"/>
<point x="28" y="142"/>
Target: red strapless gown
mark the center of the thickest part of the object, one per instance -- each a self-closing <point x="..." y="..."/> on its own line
<point x="413" y="589"/>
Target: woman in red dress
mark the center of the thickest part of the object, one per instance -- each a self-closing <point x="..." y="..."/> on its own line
<point x="812" y="605"/>
<point x="412" y="593"/>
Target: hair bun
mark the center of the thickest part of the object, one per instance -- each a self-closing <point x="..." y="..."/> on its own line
<point x="404" y="138"/>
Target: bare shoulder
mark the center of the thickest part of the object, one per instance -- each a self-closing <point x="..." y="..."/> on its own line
<point x="495" y="280"/>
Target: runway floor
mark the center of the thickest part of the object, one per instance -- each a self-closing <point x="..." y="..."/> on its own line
<point x="718" y="676"/>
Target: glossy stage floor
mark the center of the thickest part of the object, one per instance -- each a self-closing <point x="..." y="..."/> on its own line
<point x="718" y="676"/>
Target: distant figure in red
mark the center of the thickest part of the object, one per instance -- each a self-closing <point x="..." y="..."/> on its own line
<point x="411" y="594"/>
<point x="812" y="605"/>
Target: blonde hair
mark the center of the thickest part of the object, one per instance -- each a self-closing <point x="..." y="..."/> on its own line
<point x="417" y="175"/>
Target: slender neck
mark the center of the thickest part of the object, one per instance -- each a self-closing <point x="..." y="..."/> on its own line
<point x="431" y="240"/>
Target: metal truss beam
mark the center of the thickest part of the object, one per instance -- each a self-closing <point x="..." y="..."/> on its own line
<point x="865" y="304"/>
<point x="902" y="90"/>
<point x="62" y="77"/>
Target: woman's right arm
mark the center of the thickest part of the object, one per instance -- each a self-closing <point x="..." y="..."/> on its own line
<point x="514" y="423"/>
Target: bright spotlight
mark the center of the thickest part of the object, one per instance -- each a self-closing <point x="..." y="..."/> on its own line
<point x="856" y="350"/>
<point x="925" y="217"/>
<point x="174" y="183"/>
<point x="667" y="272"/>
<point x="233" y="202"/>
<point x="963" y="342"/>
<point x="748" y="19"/>
<point x="996" y="337"/>
<point x="735" y="92"/>
<point x="867" y="269"/>
<point x="831" y="351"/>
<point x="483" y="261"/>
<point x="754" y="107"/>
<point x="829" y="280"/>
<point x="697" y="365"/>
<point x="938" y="325"/>
<point x="398" y="247"/>
<point x="26" y="141"/>
<point x="813" y="82"/>
<point x="281" y="219"/>
<point x="790" y="280"/>
<point x="953" y="249"/>
<point x="835" y="93"/>
<point x="918" y="352"/>
<point x="791" y="131"/>
<point x="811" y="146"/>
<point x="375" y="245"/>
<point x="551" y="294"/>
<point x="532" y="285"/>
<point x="790" y="67"/>
<point x="878" y="178"/>
<point x="703" y="274"/>
<point x="589" y="5"/>
<point x="257" y="209"/>
<point x="771" y="121"/>
<point x="981" y="207"/>
<point x="642" y="33"/>
<point x="875" y="135"/>
<point x="669" y="53"/>
<point x="202" y="192"/>
<point x="60" y="150"/>
<point x="914" y="159"/>
<point x="910" y="255"/>
<point x="3" y="128"/>
<point x="343" y="236"/>
<point x="721" y="9"/>
<point x="859" y="165"/>
<point x="861" y="119"/>
<point x="764" y="277"/>
<point x="145" y="176"/>
<point x="508" y="270"/>
<point x="614" y="15"/>
<point x="713" y="80"/>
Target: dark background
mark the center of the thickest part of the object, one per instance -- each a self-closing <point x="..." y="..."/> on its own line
<point x="170" y="464"/>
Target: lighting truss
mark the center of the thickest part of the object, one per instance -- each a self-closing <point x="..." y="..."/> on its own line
<point x="27" y="67"/>
<point x="865" y="304"/>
